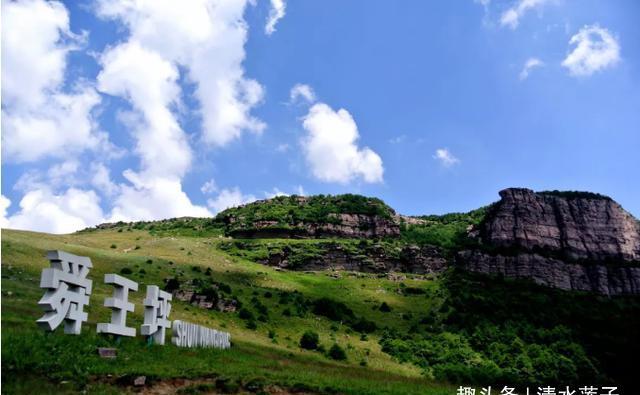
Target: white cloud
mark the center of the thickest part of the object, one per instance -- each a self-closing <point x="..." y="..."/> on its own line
<point x="229" y="198"/>
<point x="529" y="65"/>
<point x="4" y="205"/>
<point x="102" y="180"/>
<point x="275" y="192"/>
<point x="153" y="198"/>
<point x="331" y="150"/>
<point x="596" y="49"/>
<point x="149" y="82"/>
<point x="511" y="16"/>
<point x="302" y="91"/>
<point x="207" y="38"/>
<point x="38" y="118"/>
<point x="42" y="210"/>
<point x="209" y="187"/>
<point x="445" y="157"/>
<point x="283" y="147"/>
<point x="398" y="139"/>
<point x="275" y="14"/>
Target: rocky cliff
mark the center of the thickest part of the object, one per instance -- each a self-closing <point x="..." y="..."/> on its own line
<point x="573" y="241"/>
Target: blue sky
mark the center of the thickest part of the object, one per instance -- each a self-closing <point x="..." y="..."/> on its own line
<point x="129" y="110"/>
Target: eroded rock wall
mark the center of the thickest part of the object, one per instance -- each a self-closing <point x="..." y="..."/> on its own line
<point x="574" y="241"/>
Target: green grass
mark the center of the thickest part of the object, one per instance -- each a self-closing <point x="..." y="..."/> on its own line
<point x="457" y="327"/>
<point x="26" y="352"/>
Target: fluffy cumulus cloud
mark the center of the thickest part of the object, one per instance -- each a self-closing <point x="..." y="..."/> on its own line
<point x="511" y="16"/>
<point x="45" y="211"/>
<point x="595" y="49"/>
<point x="445" y="157"/>
<point x="227" y="198"/>
<point x="276" y="13"/>
<point x="209" y="187"/>
<point x="331" y="147"/>
<point x="529" y="65"/>
<point x="164" y="44"/>
<point x="39" y="117"/>
<point x="302" y="92"/>
<point x="206" y="38"/>
<point x="153" y="198"/>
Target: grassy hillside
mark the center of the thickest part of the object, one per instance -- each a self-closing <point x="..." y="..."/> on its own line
<point x="413" y="334"/>
<point x="270" y="353"/>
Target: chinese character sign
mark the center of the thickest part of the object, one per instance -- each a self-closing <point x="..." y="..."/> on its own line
<point x="120" y="305"/>
<point x="156" y="313"/>
<point x="68" y="291"/>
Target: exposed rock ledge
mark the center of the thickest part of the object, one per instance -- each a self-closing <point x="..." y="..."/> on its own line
<point x="550" y="272"/>
<point x="410" y="259"/>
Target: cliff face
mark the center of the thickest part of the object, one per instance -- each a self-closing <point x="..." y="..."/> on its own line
<point x="580" y="228"/>
<point x="569" y="241"/>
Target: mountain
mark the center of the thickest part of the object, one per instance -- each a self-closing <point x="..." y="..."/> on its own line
<point x="535" y="289"/>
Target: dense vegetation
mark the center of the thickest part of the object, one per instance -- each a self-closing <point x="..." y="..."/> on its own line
<point x="575" y="194"/>
<point x="448" y="231"/>
<point x="495" y="331"/>
<point x="288" y="212"/>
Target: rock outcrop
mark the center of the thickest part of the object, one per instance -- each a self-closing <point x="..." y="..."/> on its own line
<point x="320" y="216"/>
<point x="555" y="273"/>
<point x="356" y="226"/>
<point x="572" y="241"/>
<point x="373" y="259"/>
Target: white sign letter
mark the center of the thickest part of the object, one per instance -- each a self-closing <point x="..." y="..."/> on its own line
<point x="120" y="305"/>
<point x="68" y="291"/>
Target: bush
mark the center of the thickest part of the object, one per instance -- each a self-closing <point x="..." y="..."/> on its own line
<point x="126" y="270"/>
<point x="172" y="285"/>
<point x="309" y="340"/>
<point x="114" y="246"/>
<point x="384" y="307"/>
<point x="363" y="325"/>
<point x="245" y="314"/>
<point x="336" y="352"/>
<point x="251" y="324"/>
<point x="333" y="310"/>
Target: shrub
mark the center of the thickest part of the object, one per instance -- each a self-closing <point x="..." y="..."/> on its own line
<point x="336" y="352"/>
<point x="114" y="246"/>
<point x="384" y="307"/>
<point x="126" y="270"/>
<point x="245" y="314"/>
<point x="363" y="325"/>
<point x="333" y="310"/>
<point x="172" y="285"/>
<point x="309" y="340"/>
<point x="251" y="324"/>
